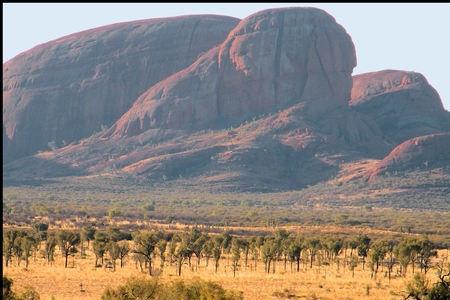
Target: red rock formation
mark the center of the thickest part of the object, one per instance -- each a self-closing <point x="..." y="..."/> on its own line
<point x="68" y="88"/>
<point x="272" y="59"/>
<point x="403" y="104"/>
<point x="283" y="76"/>
<point x="420" y="152"/>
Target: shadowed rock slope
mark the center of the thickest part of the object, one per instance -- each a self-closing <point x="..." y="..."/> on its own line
<point x="272" y="59"/>
<point x="420" y="152"/>
<point x="403" y="104"/>
<point x="69" y="88"/>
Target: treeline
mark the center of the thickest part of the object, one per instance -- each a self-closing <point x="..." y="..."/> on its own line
<point x="192" y="247"/>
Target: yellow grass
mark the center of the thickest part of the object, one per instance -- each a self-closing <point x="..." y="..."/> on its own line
<point x="316" y="283"/>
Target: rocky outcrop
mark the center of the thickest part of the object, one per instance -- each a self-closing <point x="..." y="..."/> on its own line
<point x="403" y="104"/>
<point x="281" y="79"/>
<point x="272" y="59"/>
<point x="421" y="152"/>
<point x="66" y="89"/>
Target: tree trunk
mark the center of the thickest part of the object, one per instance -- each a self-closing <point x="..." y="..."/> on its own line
<point x="150" y="267"/>
<point x="179" y="263"/>
<point x="65" y="262"/>
<point x="298" y="264"/>
<point x="273" y="266"/>
<point x="246" y="258"/>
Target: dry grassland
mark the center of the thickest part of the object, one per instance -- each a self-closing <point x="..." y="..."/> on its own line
<point x="56" y="282"/>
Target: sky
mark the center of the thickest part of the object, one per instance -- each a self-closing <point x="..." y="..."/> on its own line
<point x="412" y="37"/>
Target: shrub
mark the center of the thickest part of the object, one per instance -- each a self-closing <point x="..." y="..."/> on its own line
<point x="8" y="294"/>
<point x="197" y="289"/>
<point x="29" y="292"/>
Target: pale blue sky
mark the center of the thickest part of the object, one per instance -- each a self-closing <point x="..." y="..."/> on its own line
<point x="412" y="37"/>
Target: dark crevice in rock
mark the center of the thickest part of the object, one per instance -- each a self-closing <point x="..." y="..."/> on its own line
<point x="320" y="62"/>
<point x="277" y="61"/>
<point x="192" y="35"/>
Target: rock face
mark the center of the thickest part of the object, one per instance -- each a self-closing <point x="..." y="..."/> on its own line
<point x="403" y="104"/>
<point x="281" y="78"/>
<point x="272" y="59"/>
<point x="420" y="152"/>
<point x="68" y="88"/>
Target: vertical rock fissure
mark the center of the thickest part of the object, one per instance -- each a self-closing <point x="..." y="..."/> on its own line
<point x="320" y="61"/>
<point x="218" y="88"/>
<point x="277" y="62"/>
<point x="305" y="81"/>
<point x="191" y="38"/>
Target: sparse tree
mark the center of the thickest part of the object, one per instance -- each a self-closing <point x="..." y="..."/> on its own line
<point x="114" y="252"/>
<point x="162" y="245"/>
<point x="363" y="248"/>
<point x="67" y="242"/>
<point x="124" y="250"/>
<point x="49" y="249"/>
<point x="235" y="255"/>
<point x="145" y="243"/>
<point x="100" y="246"/>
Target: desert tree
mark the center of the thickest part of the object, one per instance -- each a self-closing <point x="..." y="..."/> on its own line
<point x="100" y="246"/>
<point x="162" y="246"/>
<point x="49" y="248"/>
<point x="182" y="252"/>
<point x="197" y="245"/>
<point x="254" y="251"/>
<point x="115" y="234"/>
<point x="403" y="253"/>
<point x="124" y="250"/>
<point x="217" y="250"/>
<point x="41" y="230"/>
<point x="114" y="252"/>
<point x="208" y="250"/>
<point x="335" y="247"/>
<point x="235" y="254"/>
<point x="245" y="245"/>
<point x="376" y="255"/>
<point x="26" y="243"/>
<point x="269" y="252"/>
<point x="88" y="234"/>
<point x="172" y="247"/>
<point x="426" y="252"/>
<point x="313" y="246"/>
<point x="295" y="249"/>
<point x="363" y="248"/>
<point x="226" y="242"/>
<point x="68" y="242"/>
<point x="17" y="248"/>
<point x="353" y="244"/>
<point x="9" y="236"/>
<point x="352" y="264"/>
<point x="145" y="243"/>
<point x="390" y="246"/>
